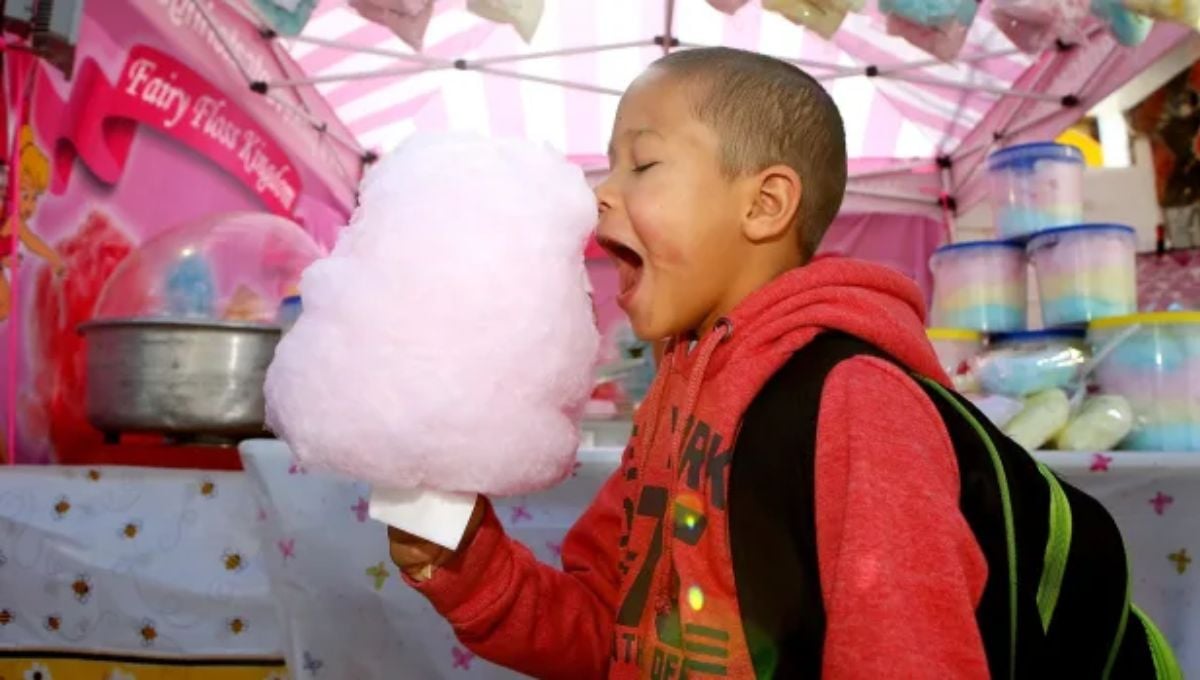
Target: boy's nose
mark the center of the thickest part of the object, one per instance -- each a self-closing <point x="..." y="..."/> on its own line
<point x="606" y="198"/>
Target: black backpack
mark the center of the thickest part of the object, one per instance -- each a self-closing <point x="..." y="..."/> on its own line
<point x="1057" y="599"/>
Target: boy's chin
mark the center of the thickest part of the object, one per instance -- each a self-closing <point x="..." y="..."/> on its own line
<point x="645" y="329"/>
<point x="650" y="329"/>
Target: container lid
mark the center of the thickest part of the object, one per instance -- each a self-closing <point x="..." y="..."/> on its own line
<point x="963" y="334"/>
<point x="1023" y="156"/>
<point x="1079" y="228"/>
<point x="966" y="245"/>
<point x="1147" y="319"/>
<point x="1034" y="336"/>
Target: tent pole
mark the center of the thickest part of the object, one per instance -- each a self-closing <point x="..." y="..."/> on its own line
<point x="668" y="26"/>
<point x="948" y="217"/>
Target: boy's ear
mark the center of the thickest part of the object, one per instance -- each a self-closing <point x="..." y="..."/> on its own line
<point x="777" y="191"/>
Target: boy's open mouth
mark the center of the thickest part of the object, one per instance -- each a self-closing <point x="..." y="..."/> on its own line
<point x="629" y="265"/>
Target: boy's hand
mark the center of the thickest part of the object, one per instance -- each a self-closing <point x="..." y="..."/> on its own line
<point x="419" y="558"/>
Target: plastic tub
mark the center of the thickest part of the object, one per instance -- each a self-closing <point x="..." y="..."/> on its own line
<point x="1085" y="272"/>
<point x="1157" y="368"/>
<point x="979" y="285"/>
<point x="1021" y="364"/>
<point x="955" y="347"/>
<point x="1035" y="187"/>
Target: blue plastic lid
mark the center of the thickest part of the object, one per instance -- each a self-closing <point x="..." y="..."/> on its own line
<point x="1023" y="156"/>
<point x="967" y="245"/>
<point x="1046" y="334"/>
<point x="1035" y="239"/>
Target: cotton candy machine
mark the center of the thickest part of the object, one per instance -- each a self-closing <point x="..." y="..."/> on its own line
<point x="185" y="329"/>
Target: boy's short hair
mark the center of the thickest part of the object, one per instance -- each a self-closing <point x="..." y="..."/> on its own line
<point x="767" y="112"/>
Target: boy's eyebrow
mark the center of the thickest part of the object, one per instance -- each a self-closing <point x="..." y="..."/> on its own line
<point x="632" y="136"/>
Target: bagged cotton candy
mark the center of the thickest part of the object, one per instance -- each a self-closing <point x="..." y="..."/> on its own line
<point x="1034" y="25"/>
<point x="939" y="28"/>
<point x="823" y="17"/>
<point x="930" y="13"/>
<point x="447" y="343"/>
<point x="1186" y="12"/>
<point x="408" y="19"/>
<point x="1045" y="413"/>
<point x="1128" y="27"/>
<point x="523" y="15"/>
<point x="728" y="6"/>
<point x="1100" y="425"/>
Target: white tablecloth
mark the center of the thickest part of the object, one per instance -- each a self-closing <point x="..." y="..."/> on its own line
<point x="292" y="556"/>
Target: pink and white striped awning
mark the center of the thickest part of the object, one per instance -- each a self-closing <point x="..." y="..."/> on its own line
<point x="902" y="108"/>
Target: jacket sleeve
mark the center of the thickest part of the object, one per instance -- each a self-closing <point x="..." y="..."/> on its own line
<point x="901" y="572"/>
<point x="511" y="609"/>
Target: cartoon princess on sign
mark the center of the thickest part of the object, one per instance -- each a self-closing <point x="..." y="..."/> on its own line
<point x="34" y="181"/>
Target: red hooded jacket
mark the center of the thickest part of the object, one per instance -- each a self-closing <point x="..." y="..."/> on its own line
<point x="901" y="573"/>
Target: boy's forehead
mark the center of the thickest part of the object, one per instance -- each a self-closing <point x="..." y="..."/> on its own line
<point x="650" y="107"/>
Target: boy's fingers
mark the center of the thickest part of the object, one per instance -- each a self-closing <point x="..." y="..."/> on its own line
<point x="405" y="555"/>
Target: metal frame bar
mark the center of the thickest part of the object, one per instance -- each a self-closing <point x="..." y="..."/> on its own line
<point x="566" y="52"/>
<point x="356" y="75"/>
<point x="212" y="26"/>
<point x="934" y="81"/>
<point x="926" y="63"/>
<point x="317" y="124"/>
<point x="806" y="63"/>
<point x="363" y="49"/>
<point x="504" y="73"/>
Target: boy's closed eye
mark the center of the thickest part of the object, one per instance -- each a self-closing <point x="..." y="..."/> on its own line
<point x="643" y="167"/>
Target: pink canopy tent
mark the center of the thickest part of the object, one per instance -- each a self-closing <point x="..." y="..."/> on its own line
<point x="917" y="128"/>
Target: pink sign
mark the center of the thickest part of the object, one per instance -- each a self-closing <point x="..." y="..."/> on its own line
<point x="158" y="90"/>
<point x="157" y="129"/>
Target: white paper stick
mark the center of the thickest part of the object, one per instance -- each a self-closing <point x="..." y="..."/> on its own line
<point x="437" y="516"/>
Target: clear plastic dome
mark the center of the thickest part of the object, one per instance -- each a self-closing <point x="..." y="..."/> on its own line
<point x="229" y="267"/>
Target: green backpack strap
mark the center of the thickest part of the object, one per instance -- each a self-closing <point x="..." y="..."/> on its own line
<point x="1166" y="667"/>
<point x="1058" y="546"/>
<point x="1006" y="503"/>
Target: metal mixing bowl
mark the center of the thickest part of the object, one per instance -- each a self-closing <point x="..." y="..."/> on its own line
<point x="180" y="378"/>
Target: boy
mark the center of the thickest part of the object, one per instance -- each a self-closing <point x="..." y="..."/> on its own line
<point x="727" y="168"/>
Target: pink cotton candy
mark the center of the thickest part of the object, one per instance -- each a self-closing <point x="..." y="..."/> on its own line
<point x="448" y="342"/>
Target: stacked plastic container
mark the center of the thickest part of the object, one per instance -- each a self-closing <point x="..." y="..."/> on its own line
<point x="1147" y="367"/>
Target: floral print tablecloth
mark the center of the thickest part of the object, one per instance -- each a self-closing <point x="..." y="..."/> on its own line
<point x="130" y="574"/>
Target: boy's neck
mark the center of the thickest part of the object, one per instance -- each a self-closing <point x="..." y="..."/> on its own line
<point x="751" y="280"/>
